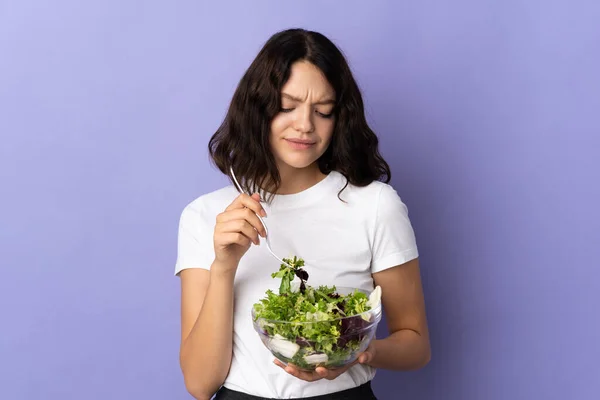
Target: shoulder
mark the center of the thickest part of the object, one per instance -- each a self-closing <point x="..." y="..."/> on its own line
<point x="207" y="206"/>
<point x="389" y="200"/>
<point x="376" y="195"/>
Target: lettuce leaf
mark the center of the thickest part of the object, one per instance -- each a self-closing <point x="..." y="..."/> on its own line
<point x="313" y="316"/>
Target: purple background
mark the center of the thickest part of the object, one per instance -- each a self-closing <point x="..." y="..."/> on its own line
<point x="488" y="111"/>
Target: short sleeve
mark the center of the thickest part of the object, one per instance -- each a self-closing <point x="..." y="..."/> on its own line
<point x="394" y="240"/>
<point x="194" y="240"/>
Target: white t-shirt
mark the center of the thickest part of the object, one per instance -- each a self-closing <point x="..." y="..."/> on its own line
<point x="342" y="244"/>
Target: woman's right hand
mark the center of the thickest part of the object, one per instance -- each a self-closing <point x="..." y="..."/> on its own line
<point x="236" y="228"/>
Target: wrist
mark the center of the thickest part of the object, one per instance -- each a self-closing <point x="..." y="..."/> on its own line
<point x="221" y="270"/>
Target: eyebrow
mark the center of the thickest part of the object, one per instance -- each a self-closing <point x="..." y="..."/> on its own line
<point x="322" y="102"/>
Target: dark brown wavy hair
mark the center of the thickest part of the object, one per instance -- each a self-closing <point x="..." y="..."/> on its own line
<point x="242" y="140"/>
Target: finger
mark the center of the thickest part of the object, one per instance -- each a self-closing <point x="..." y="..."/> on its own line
<point x="322" y="372"/>
<point x="292" y="370"/>
<point x="328" y="374"/>
<point x="306" y="376"/>
<point x="234" y="238"/>
<point x="243" y="214"/>
<point x="332" y="373"/>
<point x="251" y="202"/>
<point x="239" y="226"/>
<point x="287" y="368"/>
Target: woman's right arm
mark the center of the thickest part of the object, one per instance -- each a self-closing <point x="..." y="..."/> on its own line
<point x="207" y="300"/>
<point x="207" y="329"/>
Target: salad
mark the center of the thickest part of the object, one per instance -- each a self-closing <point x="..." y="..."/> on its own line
<point x="312" y="326"/>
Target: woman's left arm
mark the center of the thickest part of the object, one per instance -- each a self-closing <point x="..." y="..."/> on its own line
<point x="407" y="347"/>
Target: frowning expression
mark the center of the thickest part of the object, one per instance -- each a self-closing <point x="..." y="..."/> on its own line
<point x="302" y="130"/>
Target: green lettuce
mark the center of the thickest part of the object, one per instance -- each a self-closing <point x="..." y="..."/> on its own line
<point x="317" y="320"/>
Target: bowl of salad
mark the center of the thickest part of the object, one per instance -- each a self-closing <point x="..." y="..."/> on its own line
<point x="310" y="327"/>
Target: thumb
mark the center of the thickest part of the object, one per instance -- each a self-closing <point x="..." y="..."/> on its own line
<point x="365" y="357"/>
<point x="256" y="196"/>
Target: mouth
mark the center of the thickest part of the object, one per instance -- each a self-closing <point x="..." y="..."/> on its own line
<point x="300" y="144"/>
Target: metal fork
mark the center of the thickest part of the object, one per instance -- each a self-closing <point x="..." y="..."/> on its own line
<point x="239" y="188"/>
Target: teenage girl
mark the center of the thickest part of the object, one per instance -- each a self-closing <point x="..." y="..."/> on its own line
<point x="296" y="137"/>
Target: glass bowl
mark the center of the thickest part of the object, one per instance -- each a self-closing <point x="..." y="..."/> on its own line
<point x="341" y="344"/>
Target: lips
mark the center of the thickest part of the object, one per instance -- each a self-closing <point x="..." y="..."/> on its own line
<point x="300" y="141"/>
<point x="299" y="144"/>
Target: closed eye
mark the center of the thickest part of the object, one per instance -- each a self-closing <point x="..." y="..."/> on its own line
<point x="323" y="115"/>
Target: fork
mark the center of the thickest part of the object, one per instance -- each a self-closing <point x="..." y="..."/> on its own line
<point x="239" y="188"/>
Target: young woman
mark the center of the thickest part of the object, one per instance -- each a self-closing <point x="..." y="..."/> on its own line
<point x="296" y="137"/>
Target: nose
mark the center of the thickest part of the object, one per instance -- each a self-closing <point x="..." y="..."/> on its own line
<point x="304" y="122"/>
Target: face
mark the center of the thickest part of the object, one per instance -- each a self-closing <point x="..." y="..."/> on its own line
<point x="302" y="130"/>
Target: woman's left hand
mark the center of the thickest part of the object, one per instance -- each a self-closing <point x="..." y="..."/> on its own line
<point x="323" y="373"/>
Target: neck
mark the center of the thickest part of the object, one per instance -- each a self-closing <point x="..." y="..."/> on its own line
<point x="295" y="180"/>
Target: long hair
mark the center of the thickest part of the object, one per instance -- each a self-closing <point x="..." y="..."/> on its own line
<point x="242" y="140"/>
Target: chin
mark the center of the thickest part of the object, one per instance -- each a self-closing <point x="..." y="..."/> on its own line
<point x="299" y="165"/>
<point x="298" y="162"/>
